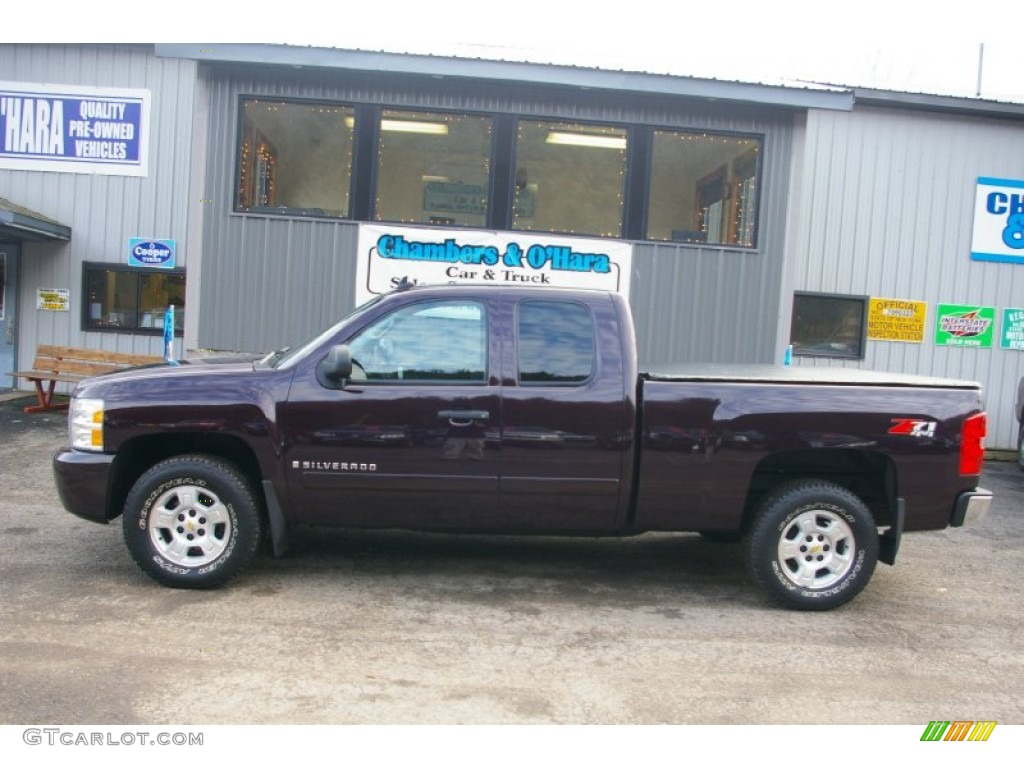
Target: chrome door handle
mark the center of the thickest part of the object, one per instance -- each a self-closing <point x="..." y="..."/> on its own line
<point x="463" y="418"/>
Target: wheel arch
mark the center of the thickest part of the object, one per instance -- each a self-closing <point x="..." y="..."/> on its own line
<point x="869" y="475"/>
<point x="139" y="454"/>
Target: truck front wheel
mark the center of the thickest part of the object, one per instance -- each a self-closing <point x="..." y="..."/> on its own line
<point x="192" y="522"/>
<point x="813" y="545"/>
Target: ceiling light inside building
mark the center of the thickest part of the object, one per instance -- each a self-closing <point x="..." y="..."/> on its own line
<point x="414" y="126"/>
<point x="586" y="140"/>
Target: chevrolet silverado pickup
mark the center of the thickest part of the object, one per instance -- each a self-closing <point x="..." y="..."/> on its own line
<point x="520" y="410"/>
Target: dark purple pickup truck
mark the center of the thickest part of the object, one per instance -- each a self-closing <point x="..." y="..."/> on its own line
<point x="507" y="410"/>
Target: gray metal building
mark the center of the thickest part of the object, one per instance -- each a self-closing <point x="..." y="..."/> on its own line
<point x="858" y="194"/>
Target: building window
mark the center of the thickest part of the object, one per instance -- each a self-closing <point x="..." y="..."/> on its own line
<point x="556" y="343"/>
<point x="295" y="158"/>
<point x="827" y="325"/>
<point x="497" y="171"/>
<point x="569" y="178"/>
<point x="433" y="168"/>
<point x="703" y="188"/>
<point x="132" y="300"/>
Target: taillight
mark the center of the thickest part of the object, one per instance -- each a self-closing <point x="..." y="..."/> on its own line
<point x="972" y="444"/>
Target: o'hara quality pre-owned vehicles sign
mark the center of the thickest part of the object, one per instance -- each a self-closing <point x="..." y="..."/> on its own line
<point x="428" y="256"/>
<point x="74" y="128"/>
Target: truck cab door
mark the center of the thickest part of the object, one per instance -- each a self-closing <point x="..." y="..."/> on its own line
<point x="567" y="416"/>
<point x="410" y="440"/>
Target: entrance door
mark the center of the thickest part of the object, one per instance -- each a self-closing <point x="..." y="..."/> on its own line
<point x="8" y="313"/>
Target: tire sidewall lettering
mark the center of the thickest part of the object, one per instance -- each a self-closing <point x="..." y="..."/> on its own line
<point x="825" y="506"/>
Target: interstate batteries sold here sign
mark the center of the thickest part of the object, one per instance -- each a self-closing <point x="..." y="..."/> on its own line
<point x="896" y="320"/>
<point x="964" y="325"/>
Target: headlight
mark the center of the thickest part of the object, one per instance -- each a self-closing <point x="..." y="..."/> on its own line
<point x="85" y="424"/>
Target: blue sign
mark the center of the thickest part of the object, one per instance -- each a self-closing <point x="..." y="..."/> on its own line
<point x="998" y="221"/>
<point x="73" y="128"/>
<point x="151" y="253"/>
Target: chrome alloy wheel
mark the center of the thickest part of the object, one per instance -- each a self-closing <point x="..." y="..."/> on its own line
<point x="816" y="549"/>
<point x="189" y="526"/>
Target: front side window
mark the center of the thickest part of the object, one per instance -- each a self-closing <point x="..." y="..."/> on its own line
<point x="556" y="343"/>
<point x="433" y="341"/>
<point x="433" y="168"/>
<point x="703" y="188"/>
<point x="826" y="325"/>
<point x="569" y="178"/>
<point x="295" y="158"/>
<point x="134" y="300"/>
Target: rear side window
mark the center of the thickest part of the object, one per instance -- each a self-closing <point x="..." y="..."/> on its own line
<point x="556" y="343"/>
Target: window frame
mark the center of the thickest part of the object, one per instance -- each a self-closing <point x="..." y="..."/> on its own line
<point x="136" y="330"/>
<point x="374" y="166"/>
<point x="415" y="306"/>
<point x="860" y="300"/>
<point x="624" y="192"/>
<point x="647" y="178"/>
<point x="594" y="359"/>
<point x="360" y="114"/>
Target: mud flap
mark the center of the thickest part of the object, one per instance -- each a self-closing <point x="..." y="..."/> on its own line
<point x="275" y="516"/>
<point x="889" y="542"/>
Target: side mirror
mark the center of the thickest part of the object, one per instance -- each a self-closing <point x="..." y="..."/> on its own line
<point x="335" y="369"/>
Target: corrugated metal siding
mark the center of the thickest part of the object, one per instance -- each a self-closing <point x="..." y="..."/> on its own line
<point x="102" y="211"/>
<point x="887" y="204"/>
<point x="269" y="281"/>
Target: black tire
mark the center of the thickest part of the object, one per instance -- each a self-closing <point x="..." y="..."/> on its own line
<point x="1020" y="447"/>
<point x="813" y="545"/>
<point x="192" y="522"/>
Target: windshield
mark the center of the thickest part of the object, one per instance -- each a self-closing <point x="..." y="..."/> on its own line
<point x="288" y="356"/>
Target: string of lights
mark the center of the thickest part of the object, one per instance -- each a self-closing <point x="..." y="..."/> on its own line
<point x="435" y="167"/>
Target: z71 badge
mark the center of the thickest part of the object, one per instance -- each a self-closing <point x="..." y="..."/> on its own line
<point x="913" y="427"/>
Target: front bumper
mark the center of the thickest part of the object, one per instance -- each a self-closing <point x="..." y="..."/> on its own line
<point x="971" y="507"/>
<point x="83" y="480"/>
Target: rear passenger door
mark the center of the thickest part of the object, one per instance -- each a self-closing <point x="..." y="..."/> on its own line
<point x="566" y="417"/>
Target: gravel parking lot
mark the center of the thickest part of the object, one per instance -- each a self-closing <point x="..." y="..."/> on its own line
<point x="397" y="627"/>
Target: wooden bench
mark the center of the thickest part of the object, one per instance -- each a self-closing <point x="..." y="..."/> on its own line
<point x="71" y="365"/>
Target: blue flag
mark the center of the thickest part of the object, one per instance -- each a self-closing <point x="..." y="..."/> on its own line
<point x="169" y="335"/>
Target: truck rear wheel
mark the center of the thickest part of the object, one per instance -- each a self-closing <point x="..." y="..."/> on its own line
<point x="813" y="545"/>
<point x="192" y="522"/>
